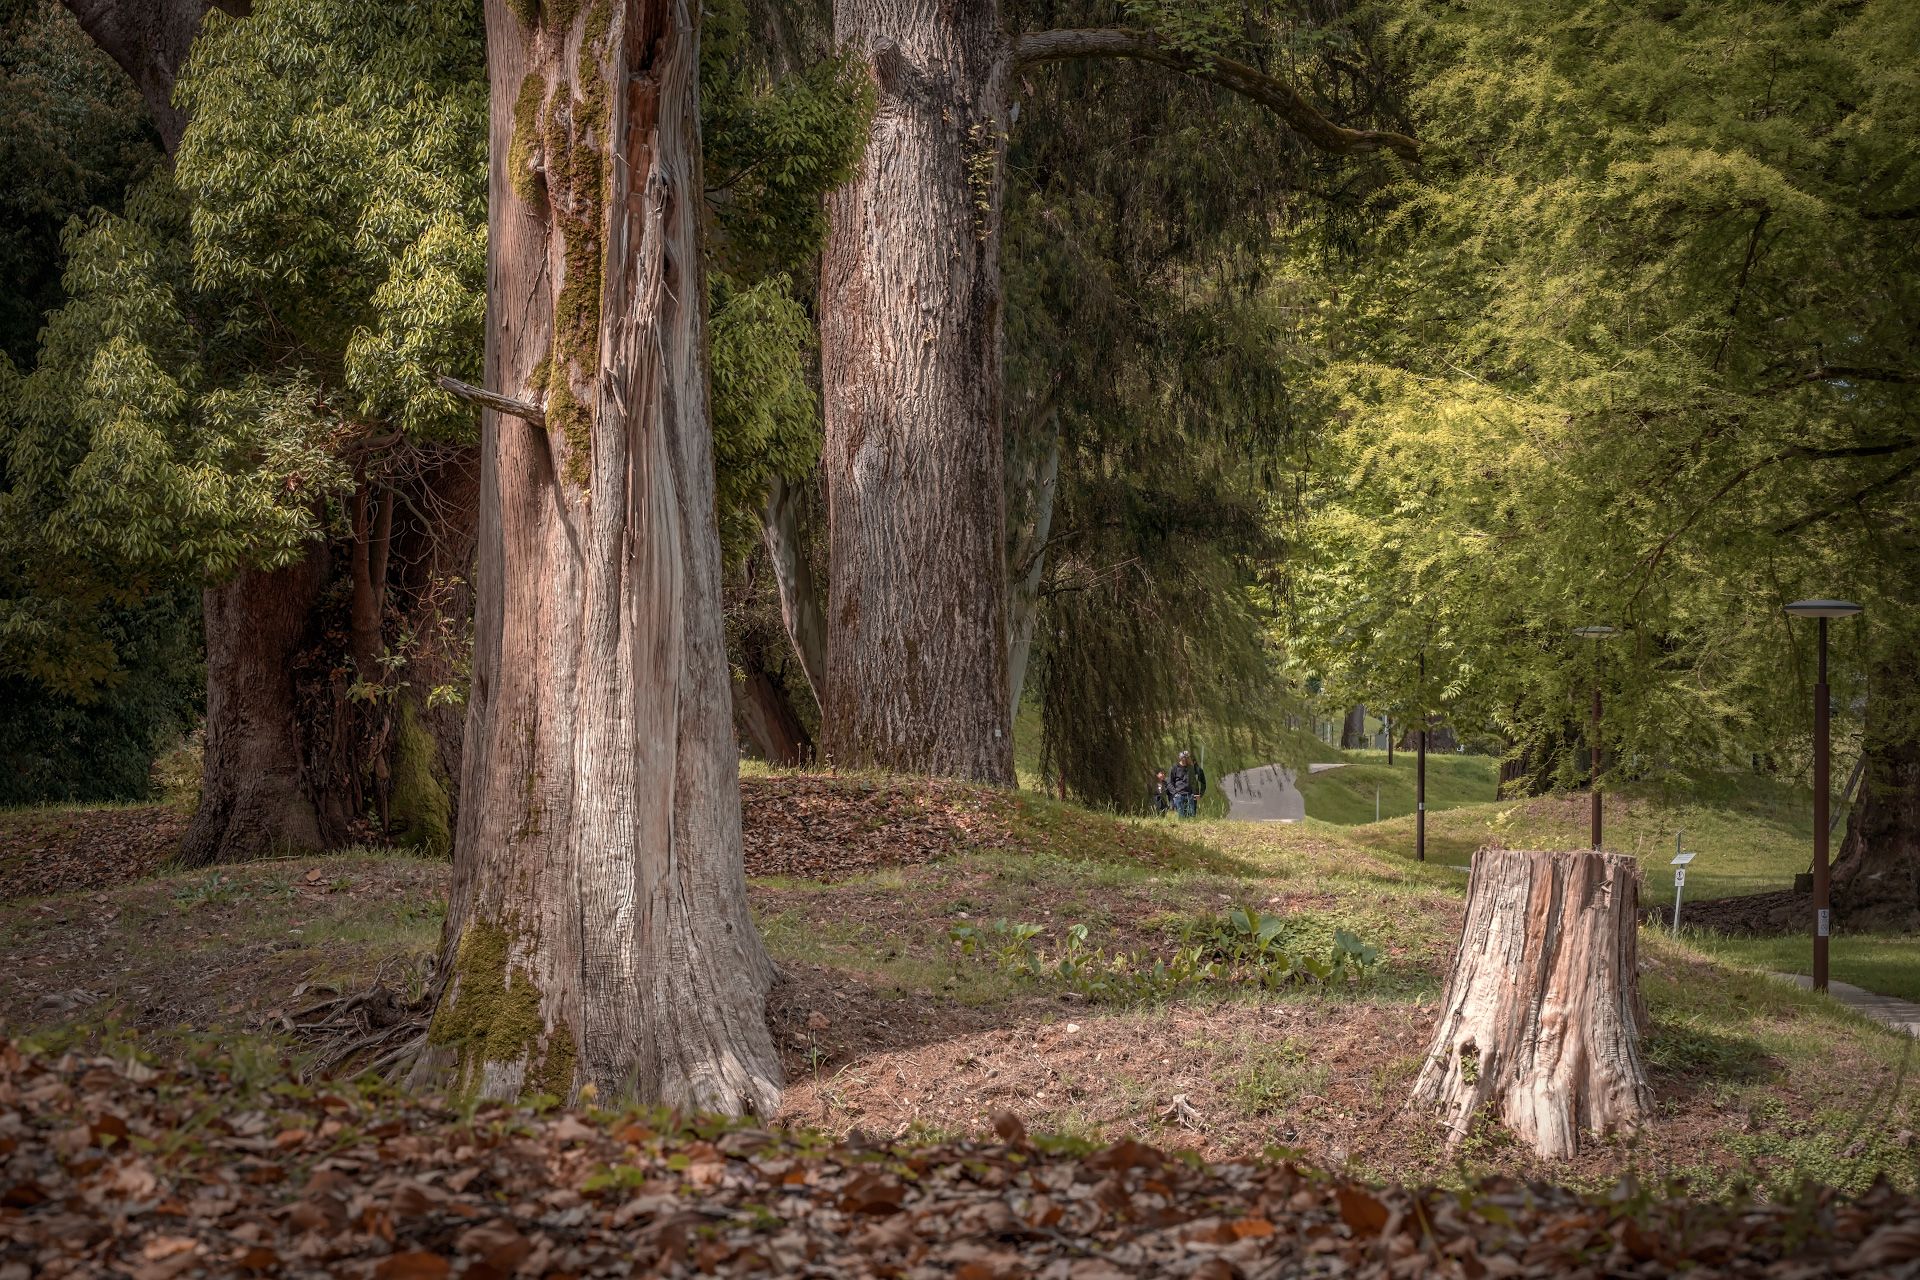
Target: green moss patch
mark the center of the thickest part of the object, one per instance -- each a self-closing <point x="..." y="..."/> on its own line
<point x="494" y="1016"/>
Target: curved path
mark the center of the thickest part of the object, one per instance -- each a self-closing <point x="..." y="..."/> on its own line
<point x="1267" y="793"/>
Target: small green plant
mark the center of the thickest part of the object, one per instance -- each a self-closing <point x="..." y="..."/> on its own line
<point x="1240" y="949"/>
<point x="216" y="889"/>
<point x="1270" y="1080"/>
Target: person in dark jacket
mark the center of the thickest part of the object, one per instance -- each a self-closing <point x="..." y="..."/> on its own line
<point x="1188" y="782"/>
<point x="1162" y="794"/>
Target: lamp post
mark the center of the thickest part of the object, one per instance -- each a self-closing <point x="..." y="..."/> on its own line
<point x="1822" y="885"/>
<point x="1420" y="773"/>
<point x="1594" y="753"/>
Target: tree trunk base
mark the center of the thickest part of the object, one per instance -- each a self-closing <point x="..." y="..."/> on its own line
<point x="1542" y="1015"/>
<point x="253" y="797"/>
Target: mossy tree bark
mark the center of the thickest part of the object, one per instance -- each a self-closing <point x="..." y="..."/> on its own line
<point x="597" y="929"/>
<point x="1542" y="1017"/>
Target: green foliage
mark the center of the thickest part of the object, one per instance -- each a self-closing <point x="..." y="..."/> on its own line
<point x="248" y="321"/>
<point x="98" y="745"/>
<point x="1144" y="327"/>
<point x="1239" y="950"/>
<point x="773" y="146"/>
<point x="766" y="419"/>
<point x="73" y="135"/>
<point x="1638" y="350"/>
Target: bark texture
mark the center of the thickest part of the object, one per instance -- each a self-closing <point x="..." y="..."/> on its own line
<point x="149" y="40"/>
<point x="254" y="800"/>
<point x="793" y="578"/>
<point x="766" y="719"/>
<point x="1876" y="878"/>
<point x="597" y="928"/>
<point x="1036" y="473"/>
<point x="910" y="300"/>
<point x="1353" y="730"/>
<point x="1542" y="1016"/>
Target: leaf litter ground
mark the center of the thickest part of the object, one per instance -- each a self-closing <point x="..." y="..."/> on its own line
<point x="112" y="1167"/>
<point x="885" y="1032"/>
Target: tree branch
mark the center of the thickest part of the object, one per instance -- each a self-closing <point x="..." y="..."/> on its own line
<point x="1250" y="82"/>
<point x="1859" y="373"/>
<point x="525" y="410"/>
<point x="1853" y="499"/>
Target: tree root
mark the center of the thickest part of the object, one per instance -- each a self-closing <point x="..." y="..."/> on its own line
<point x="372" y="1031"/>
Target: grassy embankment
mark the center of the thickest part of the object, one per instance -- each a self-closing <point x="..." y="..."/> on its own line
<point x="887" y="1027"/>
<point x="1751" y="835"/>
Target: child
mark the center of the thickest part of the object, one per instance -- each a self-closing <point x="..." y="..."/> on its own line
<point x="1162" y="797"/>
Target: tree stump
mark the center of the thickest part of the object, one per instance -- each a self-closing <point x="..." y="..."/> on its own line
<point x="1542" y="1015"/>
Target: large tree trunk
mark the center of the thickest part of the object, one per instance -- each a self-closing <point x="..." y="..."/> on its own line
<point x="253" y="795"/>
<point x="767" y="720"/>
<point x="258" y="792"/>
<point x="1876" y="879"/>
<point x="149" y="39"/>
<point x="1353" y="730"/>
<point x="1542" y="1015"/>
<point x="910" y="337"/>
<point x="597" y="929"/>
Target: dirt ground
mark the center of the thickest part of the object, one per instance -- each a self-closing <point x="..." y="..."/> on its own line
<point x="886" y="1029"/>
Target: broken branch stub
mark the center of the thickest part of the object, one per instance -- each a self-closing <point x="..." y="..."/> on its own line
<point x="1542" y="1015"/>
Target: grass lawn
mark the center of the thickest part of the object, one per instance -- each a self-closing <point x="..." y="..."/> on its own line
<point x="887" y="1026"/>
<point x="1883" y="962"/>
<point x="1752" y="834"/>
<point x="1345" y="796"/>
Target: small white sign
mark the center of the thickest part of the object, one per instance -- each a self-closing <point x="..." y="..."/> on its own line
<point x="1679" y="876"/>
<point x="1820" y="926"/>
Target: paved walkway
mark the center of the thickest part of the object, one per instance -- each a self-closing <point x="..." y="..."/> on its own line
<point x="1265" y="794"/>
<point x="1892" y="1011"/>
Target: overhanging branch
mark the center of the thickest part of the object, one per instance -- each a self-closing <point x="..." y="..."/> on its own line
<point x="1250" y="82"/>
<point x="525" y="410"/>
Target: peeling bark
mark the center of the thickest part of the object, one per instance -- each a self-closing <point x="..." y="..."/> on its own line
<point x="1542" y="1017"/>
<point x="597" y="928"/>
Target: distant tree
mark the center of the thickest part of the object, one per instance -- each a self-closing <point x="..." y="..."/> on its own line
<point x="915" y="668"/>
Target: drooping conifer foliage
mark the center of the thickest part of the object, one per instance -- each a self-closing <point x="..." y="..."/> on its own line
<point x="1152" y="340"/>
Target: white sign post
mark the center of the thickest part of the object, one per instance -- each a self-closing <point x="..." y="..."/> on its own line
<point x="1680" y="861"/>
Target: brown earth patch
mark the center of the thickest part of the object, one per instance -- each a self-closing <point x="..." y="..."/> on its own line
<point x="806" y="826"/>
<point x="50" y="850"/>
<point x="815" y="827"/>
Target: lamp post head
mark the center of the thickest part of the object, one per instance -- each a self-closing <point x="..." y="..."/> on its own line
<point x="1595" y="633"/>
<point x="1823" y="608"/>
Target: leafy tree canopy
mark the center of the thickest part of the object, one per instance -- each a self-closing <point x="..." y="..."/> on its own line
<point x="1638" y="349"/>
